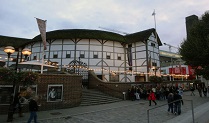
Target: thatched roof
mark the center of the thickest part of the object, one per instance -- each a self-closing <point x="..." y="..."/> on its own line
<point x="80" y="34"/>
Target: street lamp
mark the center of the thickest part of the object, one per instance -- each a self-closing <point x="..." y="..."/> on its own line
<point x="9" y="50"/>
<point x="155" y="68"/>
<point x="26" y="52"/>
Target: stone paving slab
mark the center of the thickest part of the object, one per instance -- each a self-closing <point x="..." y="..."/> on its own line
<point x="122" y="112"/>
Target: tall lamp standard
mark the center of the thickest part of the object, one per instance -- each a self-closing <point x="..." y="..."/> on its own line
<point x="9" y="50"/>
<point x="26" y="52"/>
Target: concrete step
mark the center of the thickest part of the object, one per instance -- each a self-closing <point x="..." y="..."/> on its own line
<point x="95" y="97"/>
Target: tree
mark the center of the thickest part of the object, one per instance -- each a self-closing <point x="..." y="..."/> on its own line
<point x="9" y="76"/>
<point x="195" y="49"/>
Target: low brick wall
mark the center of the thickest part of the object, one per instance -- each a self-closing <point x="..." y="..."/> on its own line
<point x="71" y="93"/>
<point x="116" y="89"/>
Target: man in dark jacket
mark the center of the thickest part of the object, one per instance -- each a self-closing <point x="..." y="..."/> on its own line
<point x="33" y="107"/>
<point x="170" y="102"/>
<point x="177" y="103"/>
<point x="17" y="104"/>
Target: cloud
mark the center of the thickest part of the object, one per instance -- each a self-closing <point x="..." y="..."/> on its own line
<point x="17" y="17"/>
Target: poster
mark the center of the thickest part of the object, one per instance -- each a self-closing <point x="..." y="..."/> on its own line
<point x="28" y="91"/>
<point x="54" y="93"/>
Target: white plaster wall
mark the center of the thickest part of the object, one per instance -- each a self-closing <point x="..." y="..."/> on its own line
<point x="111" y="47"/>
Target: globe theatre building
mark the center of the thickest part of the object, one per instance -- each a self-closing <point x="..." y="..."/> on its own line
<point x="113" y="57"/>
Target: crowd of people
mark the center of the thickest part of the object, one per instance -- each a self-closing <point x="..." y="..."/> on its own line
<point x="173" y="95"/>
<point x="161" y="93"/>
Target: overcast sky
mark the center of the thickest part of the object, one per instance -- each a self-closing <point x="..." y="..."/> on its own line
<point x="129" y="16"/>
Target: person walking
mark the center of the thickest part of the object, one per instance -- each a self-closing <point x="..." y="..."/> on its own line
<point x="33" y="108"/>
<point x="205" y="90"/>
<point x="200" y="90"/>
<point x="180" y="90"/>
<point x="170" y="102"/>
<point x="177" y="103"/>
<point x="17" y="104"/>
<point x="151" y="97"/>
<point x="192" y="91"/>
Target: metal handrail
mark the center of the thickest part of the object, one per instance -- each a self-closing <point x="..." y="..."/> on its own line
<point x="170" y="103"/>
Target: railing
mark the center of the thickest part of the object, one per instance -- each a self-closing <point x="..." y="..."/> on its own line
<point x="153" y="113"/>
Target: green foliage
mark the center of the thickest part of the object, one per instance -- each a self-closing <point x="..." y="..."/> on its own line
<point x="155" y="79"/>
<point x="195" y="49"/>
<point x="24" y="78"/>
<point x="27" y="78"/>
<point x="8" y="75"/>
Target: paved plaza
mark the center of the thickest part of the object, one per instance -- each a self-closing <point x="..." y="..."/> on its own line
<point x="125" y="112"/>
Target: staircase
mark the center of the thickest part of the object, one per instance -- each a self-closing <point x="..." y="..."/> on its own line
<point x="95" y="97"/>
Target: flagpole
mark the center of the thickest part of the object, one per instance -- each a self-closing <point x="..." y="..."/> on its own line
<point x="155" y="27"/>
<point x="42" y="63"/>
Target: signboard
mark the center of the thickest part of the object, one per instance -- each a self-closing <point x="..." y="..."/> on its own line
<point x="178" y="70"/>
<point x="28" y="91"/>
<point x="54" y="93"/>
<point x="5" y="94"/>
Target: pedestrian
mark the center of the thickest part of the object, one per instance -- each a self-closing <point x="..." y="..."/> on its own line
<point x="205" y="91"/>
<point x="200" y="90"/>
<point x="180" y="90"/>
<point x="151" y="97"/>
<point x="170" y="102"/>
<point x="132" y="92"/>
<point x="177" y="103"/>
<point x="192" y="91"/>
<point x="33" y="108"/>
<point x="17" y="104"/>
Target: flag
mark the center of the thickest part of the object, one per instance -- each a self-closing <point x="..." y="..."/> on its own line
<point x="153" y="14"/>
<point x="42" y="29"/>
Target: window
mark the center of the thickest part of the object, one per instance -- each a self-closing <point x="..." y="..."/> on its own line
<point x="152" y="44"/>
<point x="55" y="55"/>
<point x="119" y="56"/>
<point x="34" y="57"/>
<point x="108" y="56"/>
<point x="68" y="54"/>
<point x="95" y="55"/>
<point x="82" y="54"/>
<point x="154" y="64"/>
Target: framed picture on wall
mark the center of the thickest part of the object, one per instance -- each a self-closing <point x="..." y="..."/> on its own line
<point x="5" y="94"/>
<point x="55" y="93"/>
<point x="28" y="91"/>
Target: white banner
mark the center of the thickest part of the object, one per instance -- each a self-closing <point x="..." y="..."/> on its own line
<point x="42" y="29"/>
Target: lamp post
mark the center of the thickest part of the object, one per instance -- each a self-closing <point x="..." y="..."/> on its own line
<point x="9" y="50"/>
<point x="26" y="52"/>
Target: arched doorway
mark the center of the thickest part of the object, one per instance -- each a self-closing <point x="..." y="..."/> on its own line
<point x="80" y="68"/>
